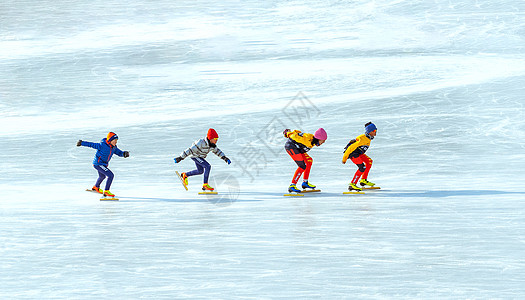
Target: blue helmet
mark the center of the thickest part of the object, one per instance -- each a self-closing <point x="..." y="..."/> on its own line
<point x="370" y="127"/>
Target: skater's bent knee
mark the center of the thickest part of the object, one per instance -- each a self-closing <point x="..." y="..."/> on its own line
<point x="301" y="164"/>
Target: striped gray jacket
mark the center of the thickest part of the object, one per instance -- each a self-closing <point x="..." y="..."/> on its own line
<point x="201" y="148"/>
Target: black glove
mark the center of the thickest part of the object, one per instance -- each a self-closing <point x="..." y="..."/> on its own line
<point x="178" y="159"/>
<point x="285" y="132"/>
<point x="79" y="143"/>
<point x="126" y="154"/>
<point x="227" y="160"/>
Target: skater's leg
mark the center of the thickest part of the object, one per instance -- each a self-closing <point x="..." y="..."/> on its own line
<point x="357" y="175"/>
<point x="297" y="175"/>
<point x="107" y="173"/>
<point x="368" y="165"/>
<point x="301" y="165"/>
<point x="198" y="164"/>
<point x="361" y="168"/>
<point x="101" y="176"/>
<point x="207" y="169"/>
<point x="202" y="167"/>
<point x="309" y="161"/>
<point x="109" y="180"/>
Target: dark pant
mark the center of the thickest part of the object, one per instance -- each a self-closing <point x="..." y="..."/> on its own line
<point x="104" y="172"/>
<point x="202" y="167"/>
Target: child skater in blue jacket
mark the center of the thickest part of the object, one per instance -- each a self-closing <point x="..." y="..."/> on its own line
<point x="105" y="149"/>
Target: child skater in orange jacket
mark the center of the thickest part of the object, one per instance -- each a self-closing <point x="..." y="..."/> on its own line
<point x="355" y="150"/>
<point x="297" y="145"/>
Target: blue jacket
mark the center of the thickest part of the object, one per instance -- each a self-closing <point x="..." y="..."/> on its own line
<point x="104" y="152"/>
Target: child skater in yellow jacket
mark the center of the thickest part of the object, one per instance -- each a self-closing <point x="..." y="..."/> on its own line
<point x="355" y="150"/>
<point x="296" y="146"/>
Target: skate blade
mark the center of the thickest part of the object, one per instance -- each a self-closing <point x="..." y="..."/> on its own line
<point x="181" y="180"/>
<point x="293" y="195"/>
<point x="208" y="193"/>
<point x="310" y="191"/>
<point x="352" y="193"/>
<point x="109" y="199"/>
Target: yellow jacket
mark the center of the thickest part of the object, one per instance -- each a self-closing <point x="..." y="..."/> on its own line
<point x="304" y="139"/>
<point x="359" y="147"/>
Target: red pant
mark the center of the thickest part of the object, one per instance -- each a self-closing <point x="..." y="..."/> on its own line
<point x="304" y="164"/>
<point x="364" y="163"/>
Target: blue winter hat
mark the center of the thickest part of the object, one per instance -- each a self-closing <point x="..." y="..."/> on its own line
<point x="370" y="127"/>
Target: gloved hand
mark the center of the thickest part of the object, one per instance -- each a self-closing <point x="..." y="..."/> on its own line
<point x="126" y="154"/>
<point x="227" y="160"/>
<point x="285" y="132"/>
<point x="79" y="143"/>
<point x="178" y="159"/>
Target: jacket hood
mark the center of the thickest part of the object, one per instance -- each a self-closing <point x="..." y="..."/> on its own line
<point x="105" y="141"/>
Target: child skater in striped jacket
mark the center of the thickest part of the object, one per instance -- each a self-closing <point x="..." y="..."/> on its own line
<point x="198" y="152"/>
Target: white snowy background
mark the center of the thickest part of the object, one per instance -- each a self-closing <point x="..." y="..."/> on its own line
<point x="442" y="80"/>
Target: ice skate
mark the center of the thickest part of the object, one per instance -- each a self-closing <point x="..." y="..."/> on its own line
<point x="97" y="190"/>
<point x="184" y="178"/>
<point x="107" y="193"/>
<point x="364" y="182"/>
<point x="353" y="187"/>
<point x="206" y="187"/>
<point x="108" y="196"/>
<point x="307" y="185"/>
<point x="293" y="189"/>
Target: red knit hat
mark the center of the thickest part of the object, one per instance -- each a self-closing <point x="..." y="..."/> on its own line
<point x="212" y="134"/>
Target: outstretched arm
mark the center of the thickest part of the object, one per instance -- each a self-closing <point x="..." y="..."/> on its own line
<point x="88" y="144"/>
<point x="221" y="154"/>
<point x="186" y="153"/>
<point x="218" y="152"/>
<point x="121" y="153"/>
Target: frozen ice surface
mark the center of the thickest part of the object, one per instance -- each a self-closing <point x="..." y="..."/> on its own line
<point x="443" y="81"/>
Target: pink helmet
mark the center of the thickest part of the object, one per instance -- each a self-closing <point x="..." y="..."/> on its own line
<point x="320" y="134"/>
